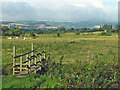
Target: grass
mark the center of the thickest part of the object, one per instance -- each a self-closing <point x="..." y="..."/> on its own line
<point x="88" y="59"/>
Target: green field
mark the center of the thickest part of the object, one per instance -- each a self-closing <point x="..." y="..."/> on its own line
<point x="89" y="61"/>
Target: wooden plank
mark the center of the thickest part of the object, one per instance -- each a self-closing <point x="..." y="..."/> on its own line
<point x="17" y="63"/>
<point x="16" y="66"/>
<point x="24" y="54"/>
<point x="24" y="64"/>
<point x="22" y="68"/>
<point x="17" y="71"/>
<point x="35" y="69"/>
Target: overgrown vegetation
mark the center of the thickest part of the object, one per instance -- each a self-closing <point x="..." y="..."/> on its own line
<point x="78" y="75"/>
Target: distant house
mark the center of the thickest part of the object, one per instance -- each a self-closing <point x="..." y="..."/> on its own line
<point x="41" y="26"/>
<point x="51" y="27"/>
<point x="5" y="25"/>
<point x="97" y="26"/>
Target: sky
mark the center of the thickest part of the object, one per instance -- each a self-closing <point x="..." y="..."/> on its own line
<point x="59" y="10"/>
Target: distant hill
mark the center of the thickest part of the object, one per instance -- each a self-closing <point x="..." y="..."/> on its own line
<point x="63" y="24"/>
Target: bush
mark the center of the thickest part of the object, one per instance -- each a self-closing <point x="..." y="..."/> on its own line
<point x="77" y="33"/>
<point x="58" y="34"/>
<point x="32" y="34"/>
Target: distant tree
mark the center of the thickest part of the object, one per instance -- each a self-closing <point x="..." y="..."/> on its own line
<point x="15" y="32"/>
<point x="23" y="32"/>
<point x="77" y="29"/>
<point x="5" y="28"/>
<point x="107" y="27"/>
<point x="85" y="29"/>
<point x="62" y="29"/>
<point x="40" y="32"/>
<point x="72" y="29"/>
<point x="5" y="31"/>
<point x="32" y="34"/>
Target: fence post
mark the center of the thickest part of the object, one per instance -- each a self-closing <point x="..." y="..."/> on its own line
<point x="32" y="62"/>
<point x="40" y="61"/>
<point x="32" y="49"/>
<point x="40" y="57"/>
<point x="14" y="54"/>
<point x="21" y="64"/>
<point x="29" y="66"/>
<point x="44" y="54"/>
<point x="35" y="65"/>
<point x="26" y="60"/>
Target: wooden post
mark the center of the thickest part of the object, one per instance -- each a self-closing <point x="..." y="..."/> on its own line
<point x="14" y="54"/>
<point x="32" y="52"/>
<point x="40" y="57"/>
<point x="35" y="64"/>
<point x="44" y="55"/>
<point x="40" y="61"/>
<point x="29" y="66"/>
<point x="21" y="64"/>
<point x="26" y="60"/>
<point x="32" y="49"/>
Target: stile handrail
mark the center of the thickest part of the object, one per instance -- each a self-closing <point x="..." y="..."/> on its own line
<point x="24" y="54"/>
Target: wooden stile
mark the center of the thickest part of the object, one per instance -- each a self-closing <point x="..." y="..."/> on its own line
<point x="32" y="62"/>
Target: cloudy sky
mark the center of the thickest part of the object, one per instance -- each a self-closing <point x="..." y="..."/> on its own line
<point x="59" y="10"/>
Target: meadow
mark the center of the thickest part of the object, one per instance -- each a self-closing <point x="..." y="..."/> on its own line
<point x="85" y="61"/>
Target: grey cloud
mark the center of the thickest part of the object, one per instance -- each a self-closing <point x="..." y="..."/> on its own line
<point x="17" y="11"/>
<point x="24" y="11"/>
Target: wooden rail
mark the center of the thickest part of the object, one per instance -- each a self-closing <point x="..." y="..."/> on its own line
<point x="31" y="64"/>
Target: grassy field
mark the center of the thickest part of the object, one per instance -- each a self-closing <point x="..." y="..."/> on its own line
<point x="89" y="61"/>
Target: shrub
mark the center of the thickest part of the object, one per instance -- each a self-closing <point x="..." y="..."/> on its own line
<point x="77" y="33"/>
<point x="32" y="34"/>
<point x="58" y="34"/>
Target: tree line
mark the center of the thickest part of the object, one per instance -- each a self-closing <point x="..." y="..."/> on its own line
<point x="18" y="32"/>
